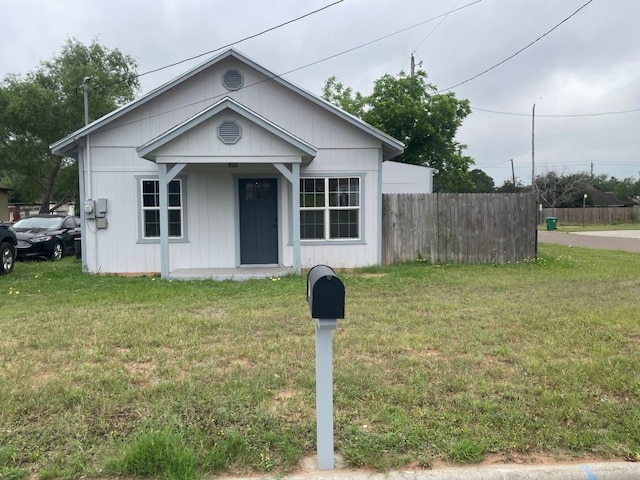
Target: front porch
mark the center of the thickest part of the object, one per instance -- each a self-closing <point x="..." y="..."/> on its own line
<point x="242" y="273"/>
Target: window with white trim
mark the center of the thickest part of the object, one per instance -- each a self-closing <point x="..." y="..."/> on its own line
<point x="150" y="201"/>
<point x="330" y="208"/>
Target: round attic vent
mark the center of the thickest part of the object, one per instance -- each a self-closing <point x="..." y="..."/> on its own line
<point x="232" y="80"/>
<point x="229" y="132"/>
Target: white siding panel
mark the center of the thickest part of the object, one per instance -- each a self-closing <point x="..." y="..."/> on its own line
<point x="211" y="228"/>
<point x="364" y="163"/>
<point x="403" y="178"/>
<point x="275" y="102"/>
<point x="203" y="141"/>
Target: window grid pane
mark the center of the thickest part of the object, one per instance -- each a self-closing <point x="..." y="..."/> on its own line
<point x="151" y="208"/>
<point x="312" y="192"/>
<point x="343" y="224"/>
<point x="312" y="224"/>
<point x="342" y="211"/>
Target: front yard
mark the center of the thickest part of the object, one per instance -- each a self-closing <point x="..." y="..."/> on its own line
<point x="102" y="375"/>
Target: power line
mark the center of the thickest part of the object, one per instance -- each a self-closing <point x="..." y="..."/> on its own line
<point x="517" y="53"/>
<point x="270" y="29"/>
<point x="309" y="64"/>
<point x="437" y="25"/>
<point x="558" y="115"/>
<point x="432" y="30"/>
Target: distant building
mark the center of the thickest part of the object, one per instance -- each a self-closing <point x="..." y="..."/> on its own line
<point x="20" y="210"/>
<point x="406" y="178"/>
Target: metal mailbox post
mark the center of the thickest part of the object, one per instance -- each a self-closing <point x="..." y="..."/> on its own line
<point x="325" y="296"/>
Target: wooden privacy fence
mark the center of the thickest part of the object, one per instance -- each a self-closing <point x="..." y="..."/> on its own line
<point x="458" y="227"/>
<point x="591" y="215"/>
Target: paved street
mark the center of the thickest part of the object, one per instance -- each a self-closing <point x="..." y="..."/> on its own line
<point x="627" y="240"/>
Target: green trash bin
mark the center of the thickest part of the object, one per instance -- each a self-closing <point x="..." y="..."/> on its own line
<point x="552" y="223"/>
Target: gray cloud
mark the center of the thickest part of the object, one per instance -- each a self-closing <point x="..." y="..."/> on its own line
<point x="589" y="64"/>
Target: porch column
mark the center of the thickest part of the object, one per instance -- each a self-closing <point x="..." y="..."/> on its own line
<point x="293" y="176"/>
<point x="295" y="220"/>
<point x="164" y="178"/>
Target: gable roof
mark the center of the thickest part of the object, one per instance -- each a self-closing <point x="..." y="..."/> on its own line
<point x="148" y="149"/>
<point x="608" y="199"/>
<point x="67" y="145"/>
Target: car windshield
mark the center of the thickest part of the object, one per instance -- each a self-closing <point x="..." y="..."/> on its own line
<point x="38" y="222"/>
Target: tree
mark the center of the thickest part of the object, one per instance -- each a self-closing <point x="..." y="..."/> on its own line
<point x="409" y="109"/>
<point x="45" y="105"/>
<point x="480" y="182"/>
<point x="628" y="188"/>
<point x="562" y="190"/>
<point x="509" y="187"/>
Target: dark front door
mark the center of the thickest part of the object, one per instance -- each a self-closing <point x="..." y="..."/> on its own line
<point x="258" y="221"/>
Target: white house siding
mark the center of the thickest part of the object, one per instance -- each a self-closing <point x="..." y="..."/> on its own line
<point x="268" y="98"/>
<point x="404" y="178"/>
<point x="201" y="143"/>
<point x="342" y="254"/>
<point x="211" y="190"/>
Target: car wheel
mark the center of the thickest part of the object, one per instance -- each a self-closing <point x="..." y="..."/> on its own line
<point x="7" y="258"/>
<point x="56" y="253"/>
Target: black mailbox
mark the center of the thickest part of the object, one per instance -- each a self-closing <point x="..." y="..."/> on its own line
<point x="325" y="293"/>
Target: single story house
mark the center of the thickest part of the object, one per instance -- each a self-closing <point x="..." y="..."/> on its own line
<point x="406" y="178"/>
<point x="229" y="170"/>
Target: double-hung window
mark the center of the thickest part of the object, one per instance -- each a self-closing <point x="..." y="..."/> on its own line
<point x="150" y="201"/>
<point x="330" y="208"/>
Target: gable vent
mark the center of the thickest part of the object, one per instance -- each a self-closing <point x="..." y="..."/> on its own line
<point x="229" y="132"/>
<point x="232" y="80"/>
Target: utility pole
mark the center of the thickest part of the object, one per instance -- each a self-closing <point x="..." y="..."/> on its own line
<point x="533" y="149"/>
<point x="513" y="175"/>
<point x="591" y="170"/>
<point x="85" y="91"/>
<point x="413" y="65"/>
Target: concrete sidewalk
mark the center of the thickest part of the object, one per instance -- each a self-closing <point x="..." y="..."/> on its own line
<point x="586" y="471"/>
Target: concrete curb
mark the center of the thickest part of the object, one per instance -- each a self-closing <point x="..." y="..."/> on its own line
<point x="590" y="471"/>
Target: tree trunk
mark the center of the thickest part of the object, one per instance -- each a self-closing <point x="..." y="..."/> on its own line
<point x="48" y="193"/>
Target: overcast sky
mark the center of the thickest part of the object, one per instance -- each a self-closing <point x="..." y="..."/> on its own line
<point x="589" y="64"/>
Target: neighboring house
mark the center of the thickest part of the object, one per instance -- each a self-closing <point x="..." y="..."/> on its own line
<point x="4" y="203"/>
<point x="21" y="210"/>
<point x="406" y="178"/>
<point x="606" y="199"/>
<point x="225" y="167"/>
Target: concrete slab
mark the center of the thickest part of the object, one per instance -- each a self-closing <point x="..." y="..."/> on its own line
<point x="591" y="471"/>
<point x="249" y="272"/>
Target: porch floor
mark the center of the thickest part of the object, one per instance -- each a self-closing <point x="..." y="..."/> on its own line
<point x="247" y="272"/>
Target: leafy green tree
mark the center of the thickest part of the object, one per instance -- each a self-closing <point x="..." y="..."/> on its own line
<point x="510" y="187"/>
<point x="626" y="188"/>
<point x="410" y="109"/>
<point x="480" y="182"/>
<point x="47" y="104"/>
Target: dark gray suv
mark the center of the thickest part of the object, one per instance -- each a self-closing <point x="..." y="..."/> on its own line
<point x="7" y="248"/>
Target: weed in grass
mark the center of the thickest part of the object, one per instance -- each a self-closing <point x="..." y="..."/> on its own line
<point x="158" y="454"/>
<point x="10" y="464"/>
<point x="466" y="450"/>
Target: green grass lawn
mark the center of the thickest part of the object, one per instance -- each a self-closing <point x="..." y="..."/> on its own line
<point x="105" y="375"/>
